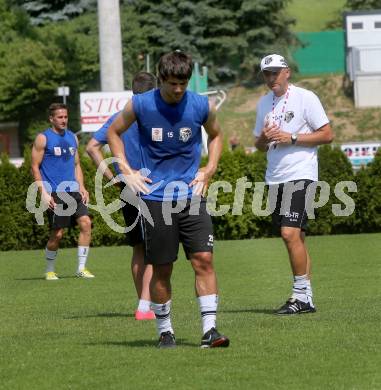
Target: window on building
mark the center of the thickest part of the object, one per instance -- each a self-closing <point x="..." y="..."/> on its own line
<point x="377" y="24"/>
<point x="357" y="25"/>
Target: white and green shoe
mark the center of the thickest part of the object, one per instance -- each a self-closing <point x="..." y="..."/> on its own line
<point x="85" y="273"/>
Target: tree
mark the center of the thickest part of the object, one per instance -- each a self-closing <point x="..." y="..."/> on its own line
<point x="44" y="11"/>
<point x="352" y="5"/>
<point x="228" y="36"/>
<point x="33" y="65"/>
<point x="13" y="23"/>
<point x="363" y="4"/>
<point x="35" y="60"/>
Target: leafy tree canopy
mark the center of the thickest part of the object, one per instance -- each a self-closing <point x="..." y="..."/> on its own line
<point x="35" y="60"/>
<point x="230" y="36"/>
<point x="353" y="5"/>
<point x="363" y="4"/>
<point x="43" y="11"/>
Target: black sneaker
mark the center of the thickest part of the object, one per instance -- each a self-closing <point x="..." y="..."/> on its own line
<point x="167" y="340"/>
<point x="294" y="306"/>
<point x="213" y="339"/>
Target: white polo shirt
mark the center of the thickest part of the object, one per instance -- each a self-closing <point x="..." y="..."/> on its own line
<point x="302" y="113"/>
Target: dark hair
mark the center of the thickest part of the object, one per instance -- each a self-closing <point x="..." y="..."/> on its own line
<point x="143" y="82"/>
<point x="175" y="64"/>
<point x="56" y="106"/>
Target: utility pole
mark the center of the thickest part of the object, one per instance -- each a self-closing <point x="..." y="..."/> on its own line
<point x="110" y="46"/>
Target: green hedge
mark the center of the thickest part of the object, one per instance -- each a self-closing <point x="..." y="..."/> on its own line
<point x="19" y="230"/>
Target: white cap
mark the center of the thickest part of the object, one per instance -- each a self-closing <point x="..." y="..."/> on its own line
<point x="273" y="61"/>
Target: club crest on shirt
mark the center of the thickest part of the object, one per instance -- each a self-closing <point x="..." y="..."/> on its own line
<point x="289" y="116"/>
<point x="157" y="134"/>
<point x="72" y="150"/>
<point x="57" y="151"/>
<point x="185" y="134"/>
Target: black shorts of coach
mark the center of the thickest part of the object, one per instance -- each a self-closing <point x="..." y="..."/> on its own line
<point x="192" y="226"/>
<point x="130" y="214"/>
<point x="74" y="201"/>
<point x="296" y="214"/>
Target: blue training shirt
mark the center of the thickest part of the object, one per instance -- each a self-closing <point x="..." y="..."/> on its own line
<point x="130" y="139"/>
<point x="58" y="163"/>
<point x="170" y="140"/>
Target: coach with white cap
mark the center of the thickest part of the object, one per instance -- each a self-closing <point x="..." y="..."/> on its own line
<point x="290" y="124"/>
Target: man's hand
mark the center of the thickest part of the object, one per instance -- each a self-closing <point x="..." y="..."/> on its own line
<point x="136" y="182"/>
<point x="270" y="132"/>
<point x="267" y="136"/>
<point x="85" y="195"/>
<point x="201" y="181"/>
<point x="282" y="137"/>
<point x="48" y="200"/>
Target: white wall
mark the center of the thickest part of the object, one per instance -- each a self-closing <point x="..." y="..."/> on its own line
<point x="368" y="35"/>
<point x="367" y="91"/>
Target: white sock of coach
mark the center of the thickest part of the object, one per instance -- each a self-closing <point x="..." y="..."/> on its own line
<point x="299" y="290"/>
<point x="309" y="293"/>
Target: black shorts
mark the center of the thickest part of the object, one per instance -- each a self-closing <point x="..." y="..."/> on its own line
<point x="292" y="214"/>
<point x="79" y="209"/>
<point x="192" y="226"/>
<point x="130" y="213"/>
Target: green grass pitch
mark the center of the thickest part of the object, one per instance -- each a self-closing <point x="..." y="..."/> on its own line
<point x="81" y="334"/>
<point x="312" y="15"/>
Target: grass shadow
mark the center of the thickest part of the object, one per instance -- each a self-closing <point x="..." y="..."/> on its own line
<point x="142" y="343"/>
<point x="43" y="278"/>
<point x="101" y="315"/>
<point x="259" y="311"/>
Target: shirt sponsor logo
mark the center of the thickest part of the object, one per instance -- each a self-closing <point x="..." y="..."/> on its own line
<point x="185" y="134"/>
<point x="157" y="134"/>
<point x="57" y="151"/>
<point x="289" y="116"/>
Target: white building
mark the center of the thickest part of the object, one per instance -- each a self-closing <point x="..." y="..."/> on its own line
<point x="363" y="56"/>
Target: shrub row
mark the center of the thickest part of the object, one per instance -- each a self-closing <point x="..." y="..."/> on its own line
<point x="19" y="230"/>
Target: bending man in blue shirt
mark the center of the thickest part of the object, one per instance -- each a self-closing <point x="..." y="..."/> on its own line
<point x="141" y="273"/>
<point x="170" y="121"/>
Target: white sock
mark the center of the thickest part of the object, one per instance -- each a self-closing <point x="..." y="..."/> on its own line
<point x="208" y="308"/>
<point x="163" y="316"/>
<point x="83" y="252"/>
<point x="144" y="305"/>
<point x="50" y="259"/>
<point x="309" y="292"/>
<point x="299" y="290"/>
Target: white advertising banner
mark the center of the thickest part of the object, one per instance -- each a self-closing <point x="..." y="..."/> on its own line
<point x="97" y="107"/>
<point x="360" y="153"/>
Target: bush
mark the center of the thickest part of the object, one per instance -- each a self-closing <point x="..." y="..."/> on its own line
<point x="251" y="168"/>
<point x="19" y="230"/>
<point x="334" y="167"/>
<point x="368" y="199"/>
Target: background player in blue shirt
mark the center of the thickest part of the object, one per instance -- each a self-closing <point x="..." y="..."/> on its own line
<point x="57" y="172"/>
<point x="141" y="273"/>
<point x="170" y="121"/>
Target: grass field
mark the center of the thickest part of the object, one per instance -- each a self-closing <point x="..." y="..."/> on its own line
<point x="312" y="15"/>
<point x="81" y="334"/>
